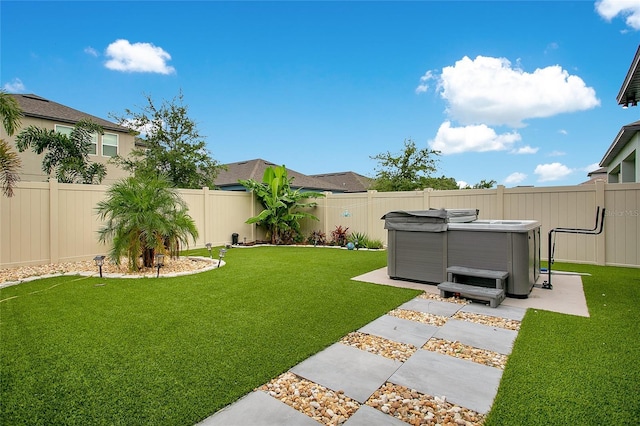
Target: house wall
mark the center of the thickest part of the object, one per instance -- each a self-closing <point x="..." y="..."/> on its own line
<point x="51" y="222"/>
<point x="31" y="170"/>
<point x="625" y="167"/>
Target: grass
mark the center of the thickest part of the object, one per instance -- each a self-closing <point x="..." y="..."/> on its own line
<point x="174" y="350"/>
<point x="566" y="369"/>
<point x="80" y="351"/>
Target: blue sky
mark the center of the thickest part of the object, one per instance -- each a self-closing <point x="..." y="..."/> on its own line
<point x="523" y="93"/>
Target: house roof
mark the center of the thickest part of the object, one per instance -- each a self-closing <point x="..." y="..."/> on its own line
<point x="624" y="136"/>
<point x="39" y="107"/>
<point x="254" y="169"/>
<point x="630" y="91"/>
<point x="598" y="174"/>
<point x="348" y="181"/>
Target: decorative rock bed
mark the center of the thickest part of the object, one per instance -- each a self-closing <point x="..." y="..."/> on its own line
<point x="173" y="267"/>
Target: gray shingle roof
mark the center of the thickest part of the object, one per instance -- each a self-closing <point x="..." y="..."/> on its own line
<point x="38" y="107"/>
<point x="348" y="181"/>
<point x="254" y="169"/>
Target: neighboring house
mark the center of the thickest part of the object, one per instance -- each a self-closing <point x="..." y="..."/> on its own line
<point x="254" y="169"/>
<point x="596" y="175"/>
<point x="348" y="181"/>
<point x="622" y="158"/>
<point x="43" y="113"/>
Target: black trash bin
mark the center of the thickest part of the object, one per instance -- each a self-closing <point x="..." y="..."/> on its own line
<point x="234" y="239"/>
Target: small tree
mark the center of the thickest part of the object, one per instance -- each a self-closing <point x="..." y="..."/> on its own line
<point x="144" y="216"/>
<point x="66" y="157"/>
<point x="10" y="163"/>
<point x="406" y="171"/>
<point x="281" y="203"/>
<point x="172" y="145"/>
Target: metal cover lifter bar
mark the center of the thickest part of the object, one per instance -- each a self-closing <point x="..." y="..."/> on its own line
<point x="597" y="229"/>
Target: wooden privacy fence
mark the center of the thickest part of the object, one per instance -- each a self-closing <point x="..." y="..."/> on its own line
<point x="51" y="222"/>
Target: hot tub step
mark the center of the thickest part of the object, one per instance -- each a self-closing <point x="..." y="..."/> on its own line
<point x="499" y="276"/>
<point x="494" y="296"/>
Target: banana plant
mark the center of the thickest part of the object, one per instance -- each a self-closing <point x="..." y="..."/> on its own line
<point x="282" y="204"/>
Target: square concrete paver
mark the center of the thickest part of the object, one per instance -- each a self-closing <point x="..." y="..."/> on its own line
<point x="369" y="416"/>
<point x="478" y="335"/>
<point x="462" y="382"/>
<point x="340" y="367"/>
<point x="502" y="311"/>
<point x="400" y="330"/>
<point x="258" y="409"/>
<point x="435" y="307"/>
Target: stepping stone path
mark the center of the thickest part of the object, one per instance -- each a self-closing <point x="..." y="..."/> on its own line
<point x="430" y="361"/>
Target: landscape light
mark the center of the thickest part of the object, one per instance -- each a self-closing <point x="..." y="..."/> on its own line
<point x="208" y="246"/>
<point x="159" y="262"/>
<point x="221" y="256"/>
<point x="99" y="262"/>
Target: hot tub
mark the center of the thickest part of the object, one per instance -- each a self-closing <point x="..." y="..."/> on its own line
<point x="423" y="254"/>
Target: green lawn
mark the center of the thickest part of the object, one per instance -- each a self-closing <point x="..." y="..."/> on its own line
<point x="172" y="351"/>
<point x="569" y="370"/>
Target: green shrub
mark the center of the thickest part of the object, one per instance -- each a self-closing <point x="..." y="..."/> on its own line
<point x="359" y="239"/>
<point x="317" y="238"/>
<point x="375" y="244"/>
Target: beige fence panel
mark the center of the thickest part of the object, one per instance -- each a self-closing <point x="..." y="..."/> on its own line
<point x="25" y="226"/>
<point x="78" y="223"/>
<point x="52" y="222"/>
<point x="622" y="224"/>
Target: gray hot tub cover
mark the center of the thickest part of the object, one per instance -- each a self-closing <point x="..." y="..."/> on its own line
<point x="433" y="220"/>
<point x="422" y="220"/>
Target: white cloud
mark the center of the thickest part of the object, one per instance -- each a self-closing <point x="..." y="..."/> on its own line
<point x="479" y="138"/>
<point x="525" y="150"/>
<point x="550" y="172"/>
<point x="462" y="184"/>
<point x="91" y="51"/>
<point x="609" y="9"/>
<point x="137" y="57"/>
<point x="14" y="86"/>
<point x="591" y="167"/>
<point x="563" y="132"/>
<point x="515" y="178"/>
<point x="557" y="154"/>
<point x="551" y="46"/>
<point x="491" y="91"/>
<point x="423" y="86"/>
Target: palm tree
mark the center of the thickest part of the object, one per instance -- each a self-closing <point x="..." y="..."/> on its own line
<point x="66" y="156"/>
<point x="10" y="113"/>
<point x="144" y="216"/>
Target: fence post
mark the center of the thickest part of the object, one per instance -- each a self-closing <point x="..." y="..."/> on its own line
<point x="500" y="202"/>
<point x="54" y="219"/>
<point x="325" y="213"/>
<point x="370" y="221"/>
<point x="601" y="240"/>
<point x="426" y="198"/>
<point x="207" y="215"/>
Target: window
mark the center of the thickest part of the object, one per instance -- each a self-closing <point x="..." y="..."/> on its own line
<point x="109" y="145"/>
<point x="66" y="130"/>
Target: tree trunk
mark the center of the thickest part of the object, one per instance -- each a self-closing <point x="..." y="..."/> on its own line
<point x="148" y="256"/>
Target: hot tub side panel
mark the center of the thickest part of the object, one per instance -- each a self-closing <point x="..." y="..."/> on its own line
<point x="417" y="256"/>
<point x="482" y="250"/>
<point x="514" y="252"/>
